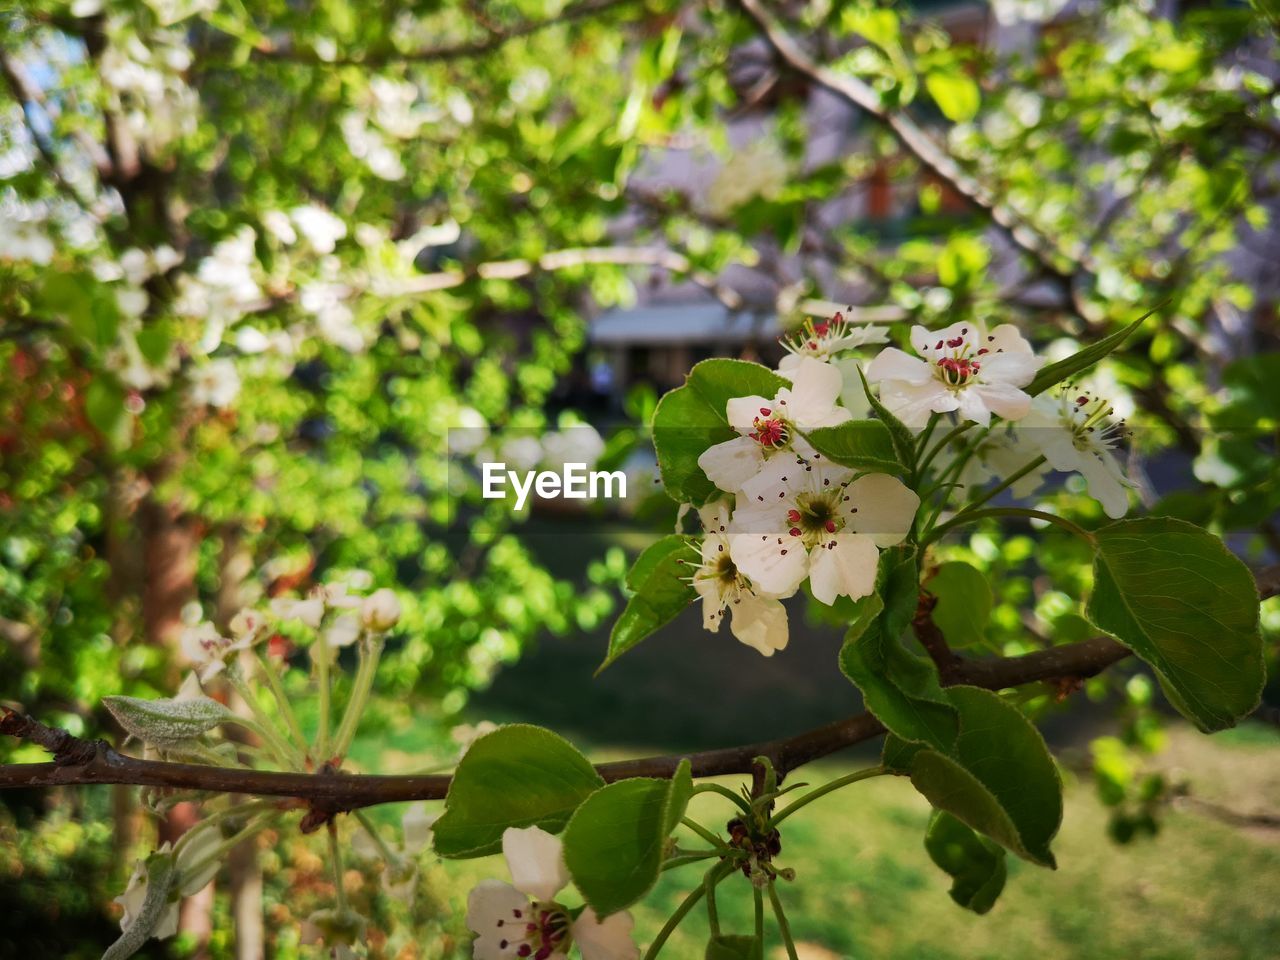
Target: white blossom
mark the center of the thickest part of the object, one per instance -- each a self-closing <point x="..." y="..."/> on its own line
<point x="770" y="428"/>
<point x="215" y="383"/>
<point x="816" y="521"/>
<point x="965" y="369"/>
<point x="522" y="918"/>
<point x="344" y="631"/>
<point x="1075" y="431"/>
<point x="380" y="610"/>
<point x="824" y="339"/>
<point x="208" y="650"/>
<point x="318" y="226"/>
<point x="757" y="619"/>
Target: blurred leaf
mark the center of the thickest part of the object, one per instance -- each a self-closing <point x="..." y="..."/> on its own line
<point x="964" y="603"/>
<point x="955" y="93"/>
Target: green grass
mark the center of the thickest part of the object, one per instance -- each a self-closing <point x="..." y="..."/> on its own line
<point x="865" y="888"/>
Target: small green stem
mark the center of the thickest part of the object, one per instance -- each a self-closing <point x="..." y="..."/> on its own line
<point x="360" y="690"/>
<point x="321" y="659"/>
<point x="335" y="857"/>
<point x="759" y="901"/>
<point x="709" y="882"/>
<point x="831" y="787"/>
<point x="272" y="676"/>
<point x="940" y="446"/>
<point x="221" y="850"/>
<point x="725" y="792"/>
<point x="704" y="833"/>
<point x="1004" y="485"/>
<point x="784" y="928"/>
<point x="371" y="829"/>
<point x="693" y="856"/>
<point x="674" y="920"/>
<point x="263" y="725"/>
<point x="922" y="442"/>
<point x="969" y="516"/>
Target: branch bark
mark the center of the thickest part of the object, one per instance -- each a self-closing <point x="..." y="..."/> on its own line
<point x="78" y="761"/>
<point x="916" y="140"/>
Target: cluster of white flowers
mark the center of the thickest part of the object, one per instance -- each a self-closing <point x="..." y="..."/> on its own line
<point x="791" y="515"/>
<point x="761" y="170"/>
<point x="523" y="918"/>
<point x="350" y="616"/>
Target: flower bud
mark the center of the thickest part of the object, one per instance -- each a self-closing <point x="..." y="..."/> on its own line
<point x="381" y="610"/>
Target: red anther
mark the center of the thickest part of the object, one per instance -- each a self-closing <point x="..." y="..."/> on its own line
<point x="957" y="342"/>
<point x="765" y="411"/>
<point x="793" y="516"/>
<point x="831" y="526"/>
<point x="795" y="531"/>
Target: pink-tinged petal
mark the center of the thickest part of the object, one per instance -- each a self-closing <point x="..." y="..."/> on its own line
<point x="893" y="364"/>
<point x="536" y="861"/>
<point x="960" y="336"/>
<point x="607" y="939"/>
<point x="912" y="403"/>
<point x="1015" y="369"/>
<point x="1004" y="400"/>
<point x="844" y="566"/>
<point x="775" y="562"/>
<point x="731" y="464"/>
<point x="815" y="388"/>
<point x="743" y="411"/>
<point x="886" y="508"/>
<point x="760" y="623"/>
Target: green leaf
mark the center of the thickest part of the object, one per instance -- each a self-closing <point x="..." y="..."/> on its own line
<point x="613" y="844"/>
<point x="904" y="441"/>
<point x="860" y="444"/>
<point x="901" y="689"/>
<point x="660" y="579"/>
<point x="955" y="93"/>
<point x="104" y="406"/>
<point x="975" y="864"/>
<point x="517" y="776"/>
<point x="964" y="603"/>
<point x="161" y="880"/>
<point x="693" y="417"/>
<point x="167" y="721"/>
<point x="733" y="947"/>
<point x="999" y="779"/>
<point x="1055" y="373"/>
<point x="1177" y="597"/>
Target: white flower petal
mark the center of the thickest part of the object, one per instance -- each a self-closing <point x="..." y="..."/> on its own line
<point x="1015" y="369"/>
<point x="845" y="565"/>
<point x="608" y="939"/>
<point x="1002" y="399"/>
<point x="491" y="906"/>
<point x="932" y="344"/>
<point x="742" y="412"/>
<point x="913" y="402"/>
<point x="760" y="623"/>
<point x="731" y="464"/>
<point x="780" y="474"/>
<point x="536" y="861"/>
<point x="1106" y="484"/>
<point x="775" y="562"/>
<point x="894" y="364"/>
<point x="886" y="508"/>
<point x="972" y="407"/>
<point x="813" y="394"/>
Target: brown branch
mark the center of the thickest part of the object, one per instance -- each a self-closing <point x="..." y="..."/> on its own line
<point x="916" y="139"/>
<point x="460" y="50"/>
<point x="78" y="761"/>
